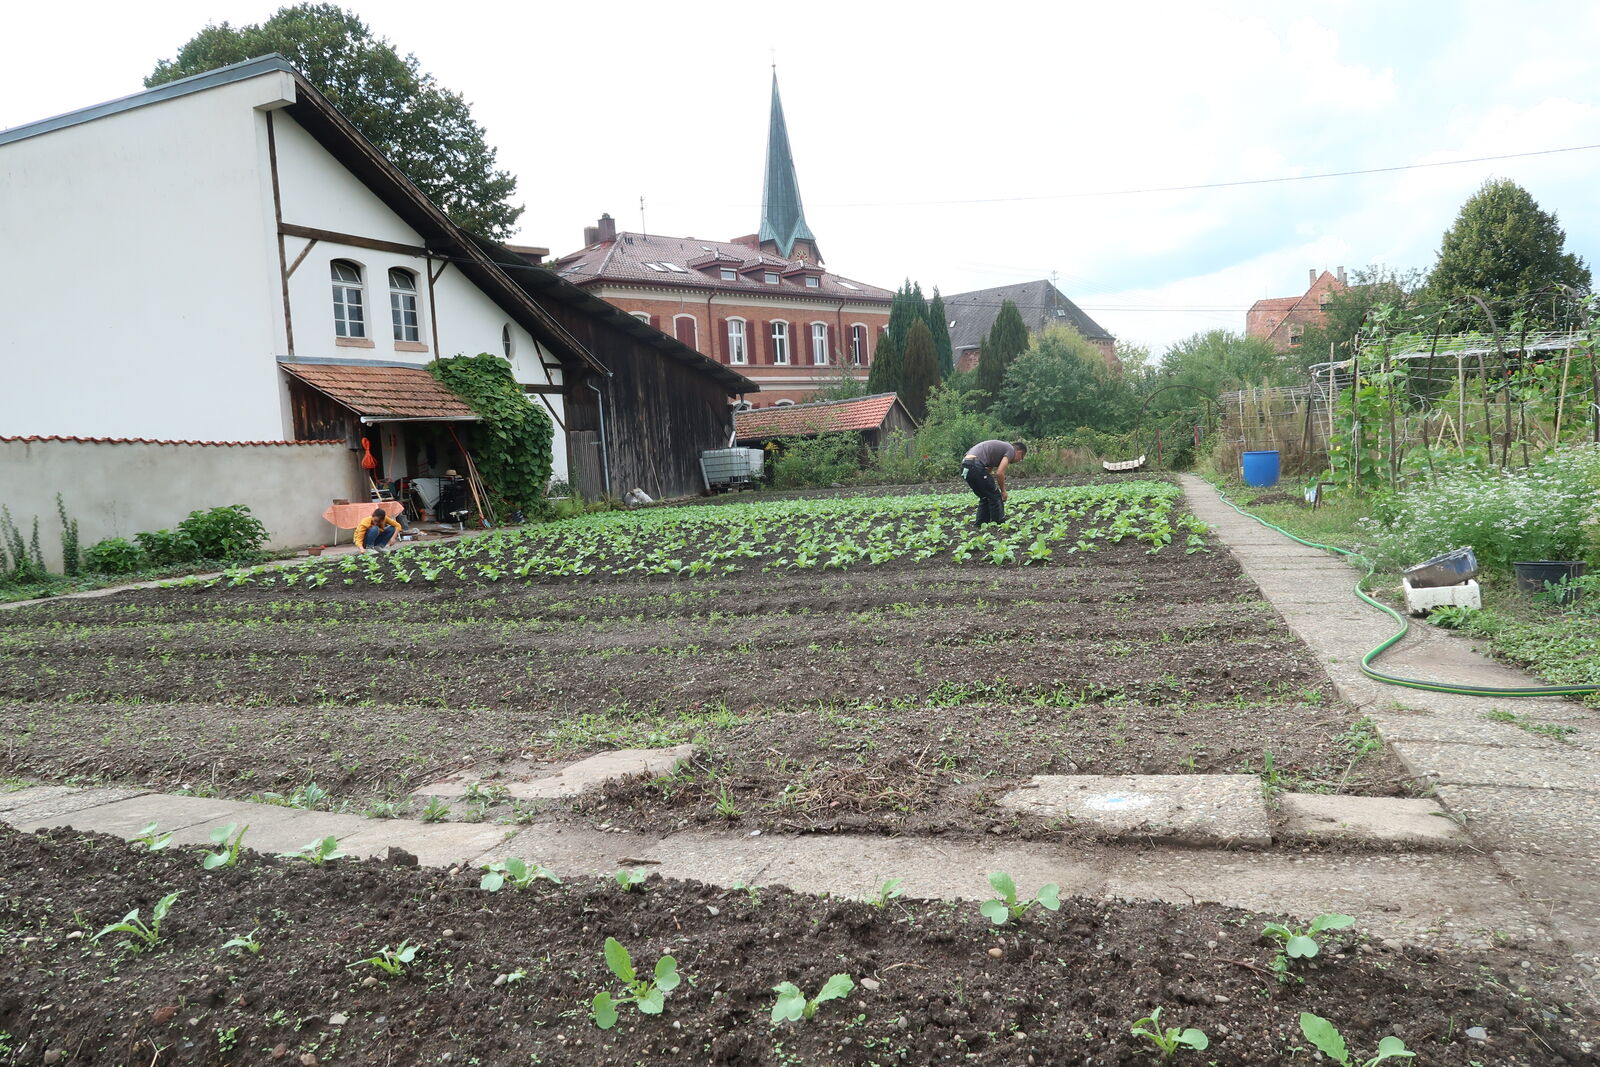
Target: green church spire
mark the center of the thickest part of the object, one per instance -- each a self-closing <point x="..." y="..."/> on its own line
<point x="783" y="219"/>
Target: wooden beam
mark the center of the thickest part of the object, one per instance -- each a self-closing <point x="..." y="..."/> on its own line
<point x="547" y="390"/>
<point x="301" y="257"/>
<point x="354" y="240"/>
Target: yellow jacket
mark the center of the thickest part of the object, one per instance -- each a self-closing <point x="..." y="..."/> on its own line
<point x="366" y="524"/>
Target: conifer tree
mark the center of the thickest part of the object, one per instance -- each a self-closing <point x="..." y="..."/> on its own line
<point x="1008" y="339"/>
<point x="939" y="323"/>
<point x="903" y="311"/>
<point x="921" y="372"/>
<point x="886" y="371"/>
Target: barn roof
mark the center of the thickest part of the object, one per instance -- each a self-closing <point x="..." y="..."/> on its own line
<point x="819" y="417"/>
<point x="381" y="393"/>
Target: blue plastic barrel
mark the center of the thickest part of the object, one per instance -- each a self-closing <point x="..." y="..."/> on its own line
<point x="1260" y="468"/>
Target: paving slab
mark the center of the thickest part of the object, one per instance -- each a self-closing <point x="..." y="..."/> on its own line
<point x="1455" y="728"/>
<point x="271" y="828"/>
<point x="1566" y="890"/>
<point x="1560" y="822"/>
<point x="127" y="818"/>
<point x="558" y="783"/>
<point x="1211" y="809"/>
<point x="570" y="848"/>
<point x="434" y="844"/>
<point x="19" y="798"/>
<point x="1398" y="820"/>
<point x="1501" y="766"/>
<point x="54" y="809"/>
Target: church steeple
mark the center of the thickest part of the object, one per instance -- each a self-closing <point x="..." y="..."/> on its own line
<point x="783" y="219"/>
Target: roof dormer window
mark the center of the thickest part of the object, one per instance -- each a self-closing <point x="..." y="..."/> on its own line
<point x="771" y="277"/>
<point x="812" y="281"/>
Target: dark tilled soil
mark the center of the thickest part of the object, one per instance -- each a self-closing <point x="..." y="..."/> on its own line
<point x="946" y="987"/>
<point x="896" y="698"/>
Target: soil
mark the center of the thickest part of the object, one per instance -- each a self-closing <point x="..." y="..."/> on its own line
<point x="945" y="985"/>
<point x="899" y="698"/>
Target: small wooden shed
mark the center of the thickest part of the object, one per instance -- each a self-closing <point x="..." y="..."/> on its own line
<point x="873" y="417"/>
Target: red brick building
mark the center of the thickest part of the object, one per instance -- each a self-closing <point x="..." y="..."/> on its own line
<point x="764" y="304"/>
<point x="1283" y="319"/>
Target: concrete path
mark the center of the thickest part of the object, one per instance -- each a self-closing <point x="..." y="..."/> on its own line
<point x="1530" y="802"/>
<point x="1447" y="899"/>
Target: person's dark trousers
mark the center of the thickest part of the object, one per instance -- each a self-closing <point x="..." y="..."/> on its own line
<point x="991" y="506"/>
<point x="378" y="538"/>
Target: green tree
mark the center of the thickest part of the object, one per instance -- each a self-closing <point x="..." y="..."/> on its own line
<point x="424" y="129"/>
<point x="1504" y="249"/>
<point x="1008" y="339"/>
<point x="1346" y="312"/>
<point x="921" y="370"/>
<point x="887" y="371"/>
<point x="953" y="425"/>
<point x="939" y="323"/>
<point x="906" y="308"/>
<point x="1060" y="383"/>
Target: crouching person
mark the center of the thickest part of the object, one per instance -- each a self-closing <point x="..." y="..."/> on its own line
<point x="376" y="531"/>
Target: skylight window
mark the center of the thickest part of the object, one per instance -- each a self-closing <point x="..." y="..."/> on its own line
<point x="851" y="285"/>
<point x="674" y="268"/>
<point x="658" y="268"/>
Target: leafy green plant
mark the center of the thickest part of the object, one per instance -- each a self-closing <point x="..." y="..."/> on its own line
<point x="141" y="937"/>
<point x="167" y="548"/>
<point x="1452" y="616"/>
<point x="792" y="1004"/>
<point x="317" y="852"/>
<point x="517" y="873"/>
<point x="435" y="811"/>
<point x="1296" y="942"/>
<point x="727" y="808"/>
<point x="646" y="994"/>
<point x="891" y="889"/>
<point x="228" y="533"/>
<point x="631" y="881"/>
<point x="511" y="441"/>
<point x="1168" y="1040"/>
<point x="1007" y="908"/>
<point x="247" y="943"/>
<point x="71" y="557"/>
<point x="151" y="839"/>
<point x="229" y="843"/>
<point x="1323" y="1034"/>
<point x="391" y="961"/>
<point x="116" y="555"/>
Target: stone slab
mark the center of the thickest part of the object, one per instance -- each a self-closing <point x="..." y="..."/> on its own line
<point x="1389" y="819"/>
<point x="18" y="798"/>
<point x="1471" y="730"/>
<point x="270" y="828"/>
<point x="1211" y="809"/>
<point x="57" y="808"/>
<point x="434" y="845"/>
<point x="1558" y="822"/>
<point x="1501" y="766"/>
<point x="571" y="848"/>
<point x="126" y="818"/>
<point x="565" y="782"/>
<point x="1565" y="891"/>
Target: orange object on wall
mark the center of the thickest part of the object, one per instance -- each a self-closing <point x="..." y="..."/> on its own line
<point x="346" y="516"/>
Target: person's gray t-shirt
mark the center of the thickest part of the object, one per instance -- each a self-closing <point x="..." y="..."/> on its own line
<point x="990" y="453"/>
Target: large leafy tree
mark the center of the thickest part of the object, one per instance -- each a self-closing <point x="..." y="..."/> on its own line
<point x="1061" y="383"/>
<point x="1008" y="339"/>
<point x="425" y="130"/>
<point x="921" y="370"/>
<point x="1503" y="249"/>
<point x="939" y="323"/>
<point x="1347" y="309"/>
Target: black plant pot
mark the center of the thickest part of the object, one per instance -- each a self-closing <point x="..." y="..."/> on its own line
<point x="1534" y="575"/>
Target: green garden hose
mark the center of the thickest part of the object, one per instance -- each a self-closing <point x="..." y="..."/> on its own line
<point x="1405" y="627"/>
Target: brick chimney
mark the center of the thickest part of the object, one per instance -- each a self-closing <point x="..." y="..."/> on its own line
<point x="1341" y="277"/>
<point x="607" y="228"/>
<point x="1312" y="280"/>
<point x="591" y="236"/>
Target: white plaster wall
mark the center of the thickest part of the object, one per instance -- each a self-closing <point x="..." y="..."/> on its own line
<point x="135" y="293"/>
<point x="118" y="490"/>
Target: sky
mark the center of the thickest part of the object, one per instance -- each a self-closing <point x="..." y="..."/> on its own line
<point x="968" y="146"/>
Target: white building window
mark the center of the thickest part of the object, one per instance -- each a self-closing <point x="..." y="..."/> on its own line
<point x="783" y="403"/>
<point x="771" y="277"/>
<point x="819" y="343"/>
<point x="642" y="316"/>
<point x="780" y="343"/>
<point x="508" y="343"/>
<point x="812" y="281"/>
<point x="403" y="305"/>
<point x="349" y="311"/>
<point x="736" y="349"/>
<point x="728" y="274"/>
<point x="858" y="343"/>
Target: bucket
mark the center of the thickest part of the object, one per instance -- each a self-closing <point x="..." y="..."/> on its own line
<point x="1260" y="468"/>
<point x="1452" y="568"/>
<point x="1532" y="576"/>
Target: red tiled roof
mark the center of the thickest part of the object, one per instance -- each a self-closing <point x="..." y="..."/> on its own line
<point x="391" y="392"/>
<point x="623" y="259"/>
<point x="155" y="441"/>
<point x="805" y="420"/>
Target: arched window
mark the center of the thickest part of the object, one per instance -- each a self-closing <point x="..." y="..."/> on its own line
<point x="349" y="310"/>
<point x="642" y="316"/>
<point x="683" y="328"/>
<point x="783" y="403"/>
<point x="780" y="343"/>
<point x="858" y="343"/>
<point x="736" y="349"/>
<point x="403" y="305"/>
<point x="819" y="343"/>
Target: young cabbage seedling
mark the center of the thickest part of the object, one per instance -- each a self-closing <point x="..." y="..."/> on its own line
<point x="1169" y="1039"/>
<point x="792" y="1004"/>
<point x="1323" y="1034"/>
<point x="646" y="994"/>
<point x="631" y="881"/>
<point x="1007" y="908"/>
<point x="891" y="889"/>
<point x="229" y="843"/>
<point x="141" y="937"/>
<point x="517" y="873"/>
<point x="391" y="961"/>
<point x="317" y="852"/>
<point x="151" y="839"/>
<point x="1297" y="943"/>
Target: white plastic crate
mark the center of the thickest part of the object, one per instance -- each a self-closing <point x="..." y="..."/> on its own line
<point x="1422" y="601"/>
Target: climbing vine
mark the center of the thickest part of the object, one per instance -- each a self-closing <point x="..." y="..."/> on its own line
<point x="512" y="444"/>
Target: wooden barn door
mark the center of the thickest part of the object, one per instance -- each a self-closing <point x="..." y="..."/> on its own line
<point x="588" y="471"/>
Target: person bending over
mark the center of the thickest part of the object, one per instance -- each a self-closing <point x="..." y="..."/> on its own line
<point x="984" y="470"/>
<point x="375" y="531"/>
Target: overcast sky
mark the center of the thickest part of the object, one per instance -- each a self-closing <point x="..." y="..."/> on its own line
<point x="954" y="143"/>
